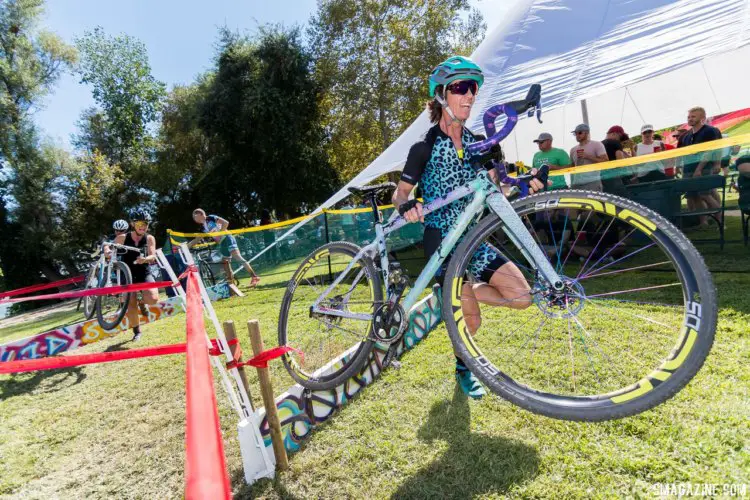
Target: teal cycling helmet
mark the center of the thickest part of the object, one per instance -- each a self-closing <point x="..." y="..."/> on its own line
<point x="452" y="69"/>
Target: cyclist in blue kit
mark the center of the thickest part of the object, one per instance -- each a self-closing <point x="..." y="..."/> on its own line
<point x="439" y="166"/>
<point x="228" y="247"/>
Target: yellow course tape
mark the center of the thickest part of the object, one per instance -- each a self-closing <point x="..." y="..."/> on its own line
<point x="274" y="225"/>
<point x="663" y="155"/>
<point x="609" y="165"/>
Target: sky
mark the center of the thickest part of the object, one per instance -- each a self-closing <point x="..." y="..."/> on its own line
<point x="179" y="35"/>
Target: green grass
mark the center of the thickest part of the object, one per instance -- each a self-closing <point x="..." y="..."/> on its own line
<point x="117" y="429"/>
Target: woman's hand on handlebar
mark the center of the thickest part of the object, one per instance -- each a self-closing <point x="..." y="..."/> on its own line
<point x="536" y="185"/>
<point x="411" y="211"/>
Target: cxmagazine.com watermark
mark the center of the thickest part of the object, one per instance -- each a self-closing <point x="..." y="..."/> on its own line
<point x="699" y="489"/>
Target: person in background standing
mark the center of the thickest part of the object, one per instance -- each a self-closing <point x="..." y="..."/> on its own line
<point x="587" y="152"/>
<point x="612" y="182"/>
<point x="707" y="161"/>
<point x="653" y="171"/>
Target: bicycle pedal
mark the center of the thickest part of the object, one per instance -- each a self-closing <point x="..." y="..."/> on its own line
<point x="396" y="364"/>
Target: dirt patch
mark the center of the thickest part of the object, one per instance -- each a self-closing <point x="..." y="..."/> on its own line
<point x="38" y="314"/>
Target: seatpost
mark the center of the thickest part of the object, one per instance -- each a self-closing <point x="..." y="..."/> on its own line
<point x="375" y="211"/>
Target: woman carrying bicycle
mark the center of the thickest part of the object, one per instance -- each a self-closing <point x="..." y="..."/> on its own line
<point x="439" y="166"/>
<point x="139" y="262"/>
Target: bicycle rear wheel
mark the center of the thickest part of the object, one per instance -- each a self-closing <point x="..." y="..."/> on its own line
<point x="111" y="308"/>
<point x="632" y="326"/>
<point x="334" y="348"/>
<point x="92" y="281"/>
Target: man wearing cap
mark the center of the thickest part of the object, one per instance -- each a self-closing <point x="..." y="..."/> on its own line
<point x="587" y="152"/>
<point x="652" y="171"/>
<point x="556" y="158"/>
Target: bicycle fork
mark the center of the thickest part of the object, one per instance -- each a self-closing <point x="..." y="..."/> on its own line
<point x="521" y="237"/>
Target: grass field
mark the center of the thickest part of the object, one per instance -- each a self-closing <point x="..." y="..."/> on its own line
<point x="117" y="430"/>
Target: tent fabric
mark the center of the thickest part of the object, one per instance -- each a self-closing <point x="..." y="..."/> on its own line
<point x="633" y="61"/>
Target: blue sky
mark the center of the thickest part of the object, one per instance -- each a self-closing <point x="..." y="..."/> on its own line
<point x="179" y="36"/>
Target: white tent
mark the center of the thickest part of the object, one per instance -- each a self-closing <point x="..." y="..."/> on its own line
<point x="633" y="61"/>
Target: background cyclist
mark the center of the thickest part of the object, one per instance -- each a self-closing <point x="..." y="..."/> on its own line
<point x="139" y="263"/>
<point x="227" y="244"/>
<point x="439" y="166"/>
<point x="120" y="226"/>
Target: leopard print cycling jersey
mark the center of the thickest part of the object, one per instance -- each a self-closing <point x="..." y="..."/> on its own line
<point x="434" y="165"/>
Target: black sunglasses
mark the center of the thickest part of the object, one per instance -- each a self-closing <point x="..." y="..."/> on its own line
<point x="462" y="87"/>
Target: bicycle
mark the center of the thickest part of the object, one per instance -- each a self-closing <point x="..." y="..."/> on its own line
<point x="593" y="263"/>
<point x="203" y="255"/>
<point x="203" y="259"/>
<point x="108" y="271"/>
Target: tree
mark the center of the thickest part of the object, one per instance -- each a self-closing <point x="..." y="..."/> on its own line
<point x="373" y="58"/>
<point x="130" y="97"/>
<point x="31" y="60"/>
<point x="262" y="120"/>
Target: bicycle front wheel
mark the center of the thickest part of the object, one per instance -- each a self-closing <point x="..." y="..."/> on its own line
<point x="335" y="338"/>
<point x="111" y="308"/>
<point x="92" y="281"/>
<point x="633" y="324"/>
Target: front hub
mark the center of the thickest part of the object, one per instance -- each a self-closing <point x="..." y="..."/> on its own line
<point x="563" y="303"/>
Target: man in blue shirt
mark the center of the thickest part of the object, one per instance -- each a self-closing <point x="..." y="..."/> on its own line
<point x="227" y="244"/>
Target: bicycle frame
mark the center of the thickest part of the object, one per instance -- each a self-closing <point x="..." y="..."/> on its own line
<point x="104" y="265"/>
<point x="485" y="194"/>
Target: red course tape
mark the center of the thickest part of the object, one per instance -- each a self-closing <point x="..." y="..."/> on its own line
<point x="57" y="362"/>
<point x="136" y="287"/>
<point x="42" y="286"/>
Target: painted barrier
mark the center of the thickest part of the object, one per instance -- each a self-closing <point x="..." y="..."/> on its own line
<point x="300" y="410"/>
<point x="71" y="337"/>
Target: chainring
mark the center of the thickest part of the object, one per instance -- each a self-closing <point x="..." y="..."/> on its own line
<point x="388" y="324"/>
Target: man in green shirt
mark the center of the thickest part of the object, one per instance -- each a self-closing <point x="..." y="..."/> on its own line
<point x="556" y="158"/>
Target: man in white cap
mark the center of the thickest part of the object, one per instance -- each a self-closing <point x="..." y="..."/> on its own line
<point x="652" y="171"/>
<point x="587" y="152"/>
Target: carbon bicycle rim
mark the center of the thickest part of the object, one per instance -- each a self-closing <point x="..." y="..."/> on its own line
<point x="333" y="348"/>
<point x="111" y="308"/>
<point x="633" y="324"/>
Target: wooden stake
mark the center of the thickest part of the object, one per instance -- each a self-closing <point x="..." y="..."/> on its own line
<point x="236" y="350"/>
<point x="266" y="390"/>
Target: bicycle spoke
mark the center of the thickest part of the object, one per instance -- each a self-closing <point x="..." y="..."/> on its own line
<point x="616" y="271"/>
<point x="613" y="308"/>
<point x="606" y="254"/>
<point x="654" y="287"/>
<point x="622" y="258"/>
<point x="572" y="362"/>
<point x="601" y="238"/>
<point x="575" y="241"/>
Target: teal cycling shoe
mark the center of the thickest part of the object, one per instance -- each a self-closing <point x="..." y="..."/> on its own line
<point x="468" y="382"/>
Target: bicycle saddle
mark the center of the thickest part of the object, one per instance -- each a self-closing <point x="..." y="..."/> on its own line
<point x="375" y="188"/>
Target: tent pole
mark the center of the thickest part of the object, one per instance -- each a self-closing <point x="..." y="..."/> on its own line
<point x="585" y="111"/>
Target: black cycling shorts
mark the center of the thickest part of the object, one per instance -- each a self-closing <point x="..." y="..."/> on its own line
<point x="432" y="239"/>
